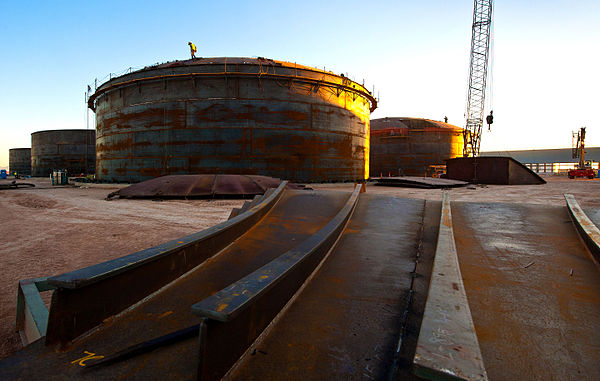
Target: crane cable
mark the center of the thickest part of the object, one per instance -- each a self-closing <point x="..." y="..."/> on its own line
<point x="491" y="70"/>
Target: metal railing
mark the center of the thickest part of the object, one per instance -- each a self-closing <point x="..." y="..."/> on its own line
<point x="556" y="169"/>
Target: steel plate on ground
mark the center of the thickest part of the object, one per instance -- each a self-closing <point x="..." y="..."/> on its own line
<point x="200" y="186"/>
<point x="533" y="290"/>
<point x="418" y="182"/>
<point x="296" y="216"/>
<point x="346" y="323"/>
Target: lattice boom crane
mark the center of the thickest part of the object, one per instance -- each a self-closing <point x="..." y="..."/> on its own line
<point x="583" y="169"/>
<point x="480" y="48"/>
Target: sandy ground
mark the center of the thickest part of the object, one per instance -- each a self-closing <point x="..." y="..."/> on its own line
<point x="51" y="230"/>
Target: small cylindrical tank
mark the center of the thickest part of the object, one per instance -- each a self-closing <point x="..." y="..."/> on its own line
<point x="412" y="146"/>
<point x="19" y="160"/>
<point x="73" y="150"/>
<point x="232" y="116"/>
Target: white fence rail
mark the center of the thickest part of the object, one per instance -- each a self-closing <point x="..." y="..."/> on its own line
<point x="556" y="169"/>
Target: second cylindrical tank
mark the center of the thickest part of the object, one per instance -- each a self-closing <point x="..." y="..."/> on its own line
<point x="73" y="150"/>
<point x="19" y="160"/>
<point x="411" y="146"/>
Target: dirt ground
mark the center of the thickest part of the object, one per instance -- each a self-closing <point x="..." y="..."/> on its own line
<point x="51" y="230"/>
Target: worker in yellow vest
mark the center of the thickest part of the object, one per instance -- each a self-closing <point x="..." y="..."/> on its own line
<point x="192" y="49"/>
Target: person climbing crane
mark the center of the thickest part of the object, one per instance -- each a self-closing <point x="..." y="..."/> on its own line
<point x="192" y="49"/>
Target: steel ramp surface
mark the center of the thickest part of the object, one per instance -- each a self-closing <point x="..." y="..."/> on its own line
<point x="594" y="215"/>
<point x="346" y="323"/>
<point x="297" y="215"/>
<point x="533" y="290"/>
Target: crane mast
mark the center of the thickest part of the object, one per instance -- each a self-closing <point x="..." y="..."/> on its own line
<point x="578" y="150"/>
<point x="583" y="169"/>
<point x="480" y="47"/>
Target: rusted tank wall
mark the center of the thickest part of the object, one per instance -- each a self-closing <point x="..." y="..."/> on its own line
<point x="63" y="149"/>
<point x="19" y="160"/>
<point x="408" y="146"/>
<point x="232" y="116"/>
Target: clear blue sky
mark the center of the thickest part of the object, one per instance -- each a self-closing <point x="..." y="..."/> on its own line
<point x="545" y="73"/>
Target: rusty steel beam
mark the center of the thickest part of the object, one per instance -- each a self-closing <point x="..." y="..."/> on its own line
<point x="85" y="297"/>
<point x="361" y="289"/>
<point x="157" y="321"/>
<point x="588" y="231"/>
<point x="235" y="316"/>
<point x="346" y="322"/>
<point x="32" y="314"/>
<point x="448" y="348"/>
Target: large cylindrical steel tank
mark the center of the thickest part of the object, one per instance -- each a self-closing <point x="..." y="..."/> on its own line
<point x="19" y="160"/>
<point x="72" y="150"/>
<point x="410" y="146"/>
<point x="232" y="116"/>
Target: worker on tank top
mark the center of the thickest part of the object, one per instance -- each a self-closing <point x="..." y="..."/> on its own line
<point x="192" y="49"/>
